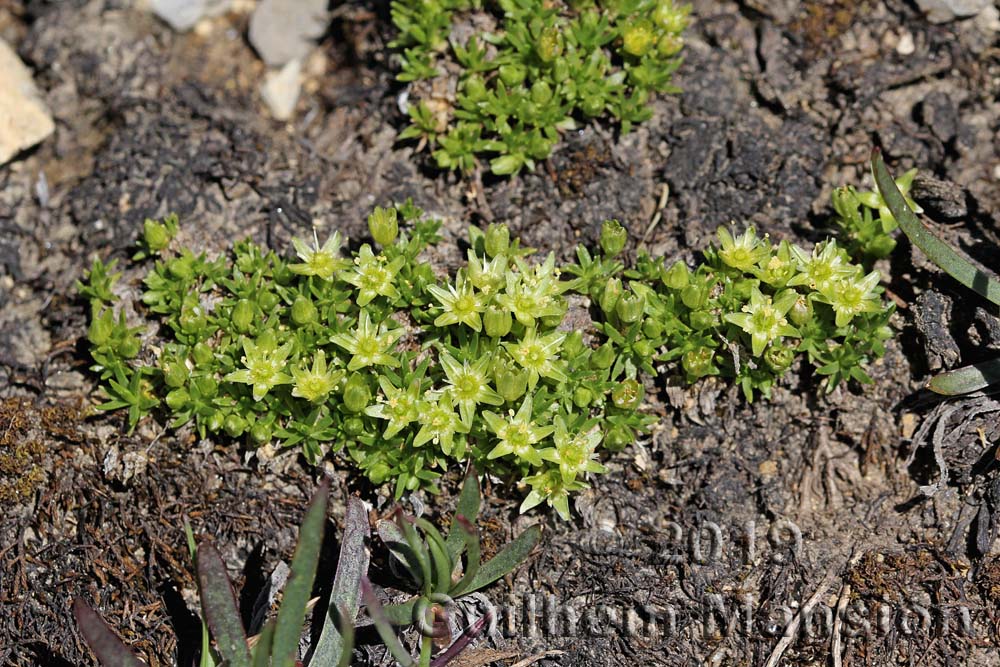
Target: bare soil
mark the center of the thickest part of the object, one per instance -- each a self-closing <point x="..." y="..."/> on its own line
<point x="894" y="496"/>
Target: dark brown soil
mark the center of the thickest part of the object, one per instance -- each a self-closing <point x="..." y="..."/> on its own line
<point x="896" y="498"/>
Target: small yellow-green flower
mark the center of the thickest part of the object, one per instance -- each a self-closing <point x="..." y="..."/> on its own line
<point x="315" y="384"/>
<point x="369" y="345"/>
<point x="469" y="385"/>
<point x="399" y="406"/>
<point x="322" y="262"/>
<point x="550" y="487"/>
<point x="265" y="365"/>
<point x="575" y="453"/>
<point x="518" y="435"/>
<point x="742" y="252"/>
<point x="850" y="296"/>
<point x="440" y="426"/>
<point x="538" y="355"/>
<point x="764" y="318"/>
<point x="459" y="305"/>
<point x="373" y="275"/>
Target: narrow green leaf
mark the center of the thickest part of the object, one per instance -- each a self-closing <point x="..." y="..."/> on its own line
<point x="395" y="542"/>
<point x="419" y="551"/>
<point x="219" y="606"/>
<point x="336" y="638"/>
<point x="400" y="614"/>
<point x="262" y="650"/>
<point x="472" y="555"/>
<point x="105" y="644"/>
<point x="468" y="507"/>
<point x="956" y="264"/>
<point x="509" y="558"/>
<point x="383" y="627"/>
<point x="441" y="563"/>
<point x="966" y="379"/>
<point x="292" y="614"/>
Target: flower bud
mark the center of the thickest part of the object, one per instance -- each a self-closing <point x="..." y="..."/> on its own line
<point x="475" y="88"/>
<point x="242" y="315"/>
<point x="572" y="346"/>
<point x="652" y="328"/>
<point x="603" y="356"/>
<point x="268" y="301"/>
<point x="779" y="358"/>
<point x="582" y="397"/>
<point x="638" y="38"/>
<point x="260" y="433"/>
<point x="129" y="347"/>
<point x="202" y="354"/>
<point x="192" y="318"/>
<point x="846" y="204"/>
<point x="560" y="70"/>
<point x="178" y="398"/>
<point x="497" y="240"/>
<point x="175" y="374"/>
<point x="629" y="307"/>
<point x="234" y="425"/>
<point x="511" y="382"/>
<point x="677" y="276"/>
<point x="383" y="225"/>
<point x="181" y="267"/>
<point x="354" y="426"/>
<point x="644" y="349"/>
<point x="207" y="386"/>
<point x="549" y="45"/>
<point x="156" y="235"/>
<point x="378" y="473"/>
<point x="497" y="321"/>
<point x="215" y="421"/>
<point x="356" y="393"/>
<point x="610" y="295"/>
<point x="698" y="363"/>
<point x="100" y="329"/>
<point x="618" y="438"/>
<point x="694" y="296"/>
<point x="628" y="394"/>
<point x="512" y="75"/>
<point x="303" y="311"/>
<point x="541" y="92"/>
<point x="801" y="312"/>
<point x="670" y="18"/>
<point x="592" y="105"/>
<point x="881" y="246"/>
<point x="702" y="319"/>
<point x="669" y="45"/>
<point x="613" y="237"/>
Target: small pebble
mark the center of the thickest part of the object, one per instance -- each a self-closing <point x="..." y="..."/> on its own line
<point x="906" y="46"/>
<point x="281" y="88"/>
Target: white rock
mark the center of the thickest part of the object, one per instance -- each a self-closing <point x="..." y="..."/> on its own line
<point x="24" y="119"/>
<point x="906" y="46"/>
<point x="280" y="89"/>
<point x="284" y="30"/>
<point x="942" y="11"/>
<point x="184" y="14"/>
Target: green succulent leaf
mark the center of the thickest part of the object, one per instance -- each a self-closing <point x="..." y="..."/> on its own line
<point x="967" y="379"/>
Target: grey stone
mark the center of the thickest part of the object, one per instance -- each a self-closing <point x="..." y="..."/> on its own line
<point x="942" y="11"/>
<point x="24" y="118"/>
<point x="284" y="30"/>
<point x="182" y="15"/>
<point x="280" y="89"/>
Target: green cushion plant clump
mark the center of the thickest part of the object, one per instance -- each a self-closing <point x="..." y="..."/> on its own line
<point x="505" y="80"/>
<point x="525" y="368"/>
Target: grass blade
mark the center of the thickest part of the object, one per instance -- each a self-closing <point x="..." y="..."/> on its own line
<point x="219" y="605"/>
<point x="956" y="264"/>
<point x="509" y="558"/>
<point x="966" y="379"/>
<point x="262" y="650"/>
<point x="105" y="644"/>
<point x="335" y="642"/>
<point x="472" y="555"/>
<point x="291" y="616"/>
